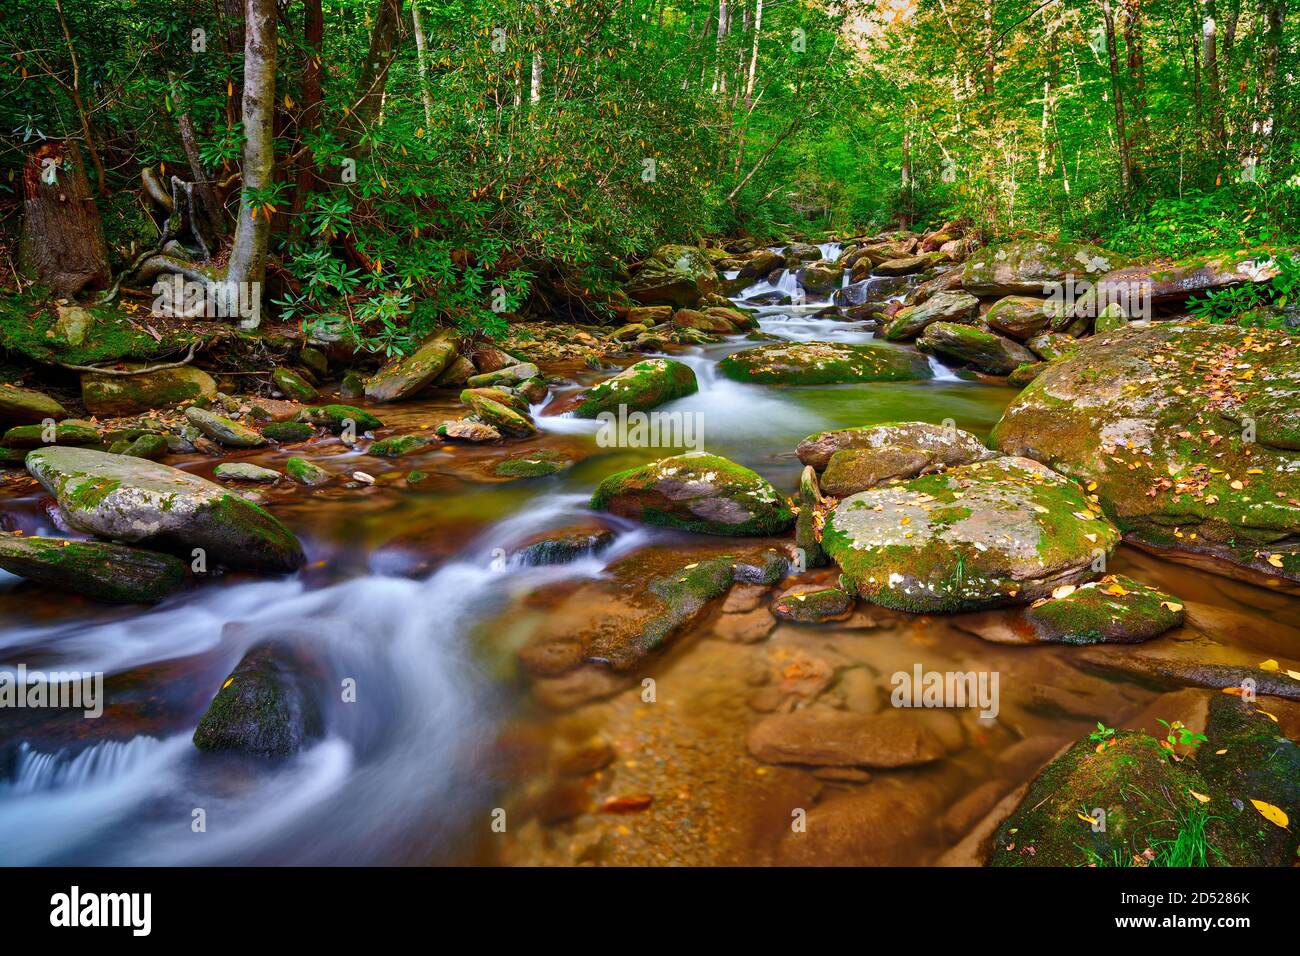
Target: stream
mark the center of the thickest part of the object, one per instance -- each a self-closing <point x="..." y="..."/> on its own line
<point x="405" y="594"/>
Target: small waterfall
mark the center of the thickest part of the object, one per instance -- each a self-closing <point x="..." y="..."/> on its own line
<point x="830" y="251"/>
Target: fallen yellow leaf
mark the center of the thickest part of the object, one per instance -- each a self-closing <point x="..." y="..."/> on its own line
<point x="1199" y="796"/>
<point x="1268" y="665"/>
<point x="1272" y="814"/>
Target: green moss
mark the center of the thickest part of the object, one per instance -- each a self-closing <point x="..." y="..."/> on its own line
<point x="398" y="445"/>
<point x="27" y="320"/>
<point x="640" y="387"/>
<point x="334" y="417"/>
<point x="288" y="432"/>
<point x="824" y="363"/>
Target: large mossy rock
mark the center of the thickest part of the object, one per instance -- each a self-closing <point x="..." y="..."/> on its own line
<point x="1174" y="281"/>
<point x="134" y="500"/>
<point x="407" y="376"/>
<point x="674" y="275"/>
<point x="112" y="396"/>
<point x="978" y="348"/>
<point x="1159" y="811"/>
<point x="267" y="706"/>
<point x="107" y="572"/>
<point x="1113" y="610"/>
<point x="24" y="406"/>
<point x="993" y="533"/>
<point x="706" y="494"/>
<point x="1188" y="434"/>
<point x="640" y="387"/>
<point x="947" y="446"/>
<point x="910" y="322"/>
<point x="223" y="430"/>
<point x="1034" y="267"/>
<point x="824" y="363"/>
<point x="1022" y="316"/>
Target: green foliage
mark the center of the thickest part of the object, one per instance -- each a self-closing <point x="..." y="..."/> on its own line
<point x="1253" y="304"/>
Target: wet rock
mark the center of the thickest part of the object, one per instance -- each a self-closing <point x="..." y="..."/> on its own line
<point x="491" y="407"/>
<point x="820" y="278"/>
<point x="1022" y="317"/>
<point x="463" y="430"/>
<point x="267" y="706"/>
<point x="703" y="493"/>
<point x="824" y="363"/>
<point x="1188" y="436"/>
<point x="315" y="360"/>
<point x="978" y="348"/>
<point x="962" y="816"/>
<point x="455" y="375"/>
<point x="133" y="500"/>
<point x="882" y="824"/>
<point x="106" y="572"/>
<point x="901" y="267"/>
<point x="338" y="418"/>
<point x="113" y="396"/>
<point x="406" y="377"/>
<point x="640" y="387"/>
<point x="244" y="471"/>
<point x="563" y="545"/>
<point x="943" y="445"/>
<point x="511" y="375"/>
<point x="25" y="406"/>
<point x="223" y="430"/>
<point x="674" y="275"/>
<point x="997" y="532"/>
<point x="811" y="519"/>
<point x="65" y="433"/>
<point x="149" y="445"/>
<point x="398" y="445"/>
<point x="1189" y="663"/>
<point x="352" y="386"/>
<point x="294" y="385"/>
<point x="745" y="627"/>
<point x="860" y="468"/>
<point x="822" y="737"/>
<point x="1034" y="267"/>
<point x="810" y="604"/>
<point x="305" y="472"/>
<point x="288" y="433"/>
<point x="1177" y="280"/>
<point x="1051" y="345"/>
<point x="1114" y="610"/>
<point x="539" y="464"/>
<point x="273" y="409"/>
<point x="945" y="307"/>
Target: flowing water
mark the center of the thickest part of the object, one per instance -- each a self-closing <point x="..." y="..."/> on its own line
<point x="406" y="595"/>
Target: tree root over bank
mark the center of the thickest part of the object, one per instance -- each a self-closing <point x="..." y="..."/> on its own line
<point x="161" y="367"/>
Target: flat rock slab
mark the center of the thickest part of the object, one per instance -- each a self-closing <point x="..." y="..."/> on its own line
<point x="135" y="500"/>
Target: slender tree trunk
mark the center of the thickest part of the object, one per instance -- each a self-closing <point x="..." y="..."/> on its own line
<point x="421" y="53"/>
<point x="74" y="91"/>
<point x="753" y="54"/>
<point x="369" y="98"/>
<point x="253" y="227"/>
<point x="62" y="242"/>
<point x="1210" y="65"/>
<point x="1136" y="69"/>
<point x="305" y="174"/>
<point x="1117" y="94"/>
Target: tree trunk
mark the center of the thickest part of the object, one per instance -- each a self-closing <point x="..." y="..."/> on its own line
<point x="374" y="72"/>
<point x="1117" y="94"/>
<point x="253" y="228"/>
<point x="753" y="56"/>
<point x="62" y="242"/>
<point x="421" y="55"/>
<point x="313" y="30"/>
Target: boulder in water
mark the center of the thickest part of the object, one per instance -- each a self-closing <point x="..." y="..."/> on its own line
<point x="106" y="572"/>
<point x="267" y="706"/>
<point x="112" y="396"/>
<point x="696" y="492"/>
<point x="674" y="275"/>
<point x="824" y="363"/>
<point x="1188" y="435"/>
<point x="1022" y="316"/>
<point x="993" y="533"/>
<point x="944" y="445"/>
<point x="338" y="418"/>
<point x="408" y="376"/>
<point x="134" y="500"/>
<point x="640" y="387"/>
<point x="910" y="322"/>
<point x="979" y="348"/>
<point x="820" y="737"/>
<point x="224" y="431"/>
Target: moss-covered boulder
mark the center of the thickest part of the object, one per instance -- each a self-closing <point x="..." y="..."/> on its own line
<point x="1188" y="435"/>
<point x="245" y="471"/>
<point x="398" y="445"/>
<point x="267" y="706"/>
<point x="224" y="431"/>
<point x="1051" y="345"/>
<point x="1112" y="610"/>
<point x="305" y="472"/>
<point x="979" y="348"/>
<point x="703" y="493"/>
<point x="961" y="307"/>
<point x="288" y="433"/>
<point x="1218" y="809"/>
<point x="339" y="417"/>
<point x="813" y="604"/>
<point x="824" y="363"/>
<point x="138" y="501"/>
<point x="640" y="387"/>
<point x="1022" y="316"/>
<point x="540" y="464"/>
<point x="106" y="572"/>
<point x="294" y="385"/>
<point x="943" y="445"/>
<point x="1034" y="267"/>
<point x="492" y="407"/>
<point x="25" y="406"/>
<point x="562" y="545"/>
<point x="993" y="533"/>
<point x="64" y="433"/>
<point x="411" y="374"/>
<point x="510" y="375"/>
<point x="821" y="278"/>
<point x="112" y="396"/>
<point x="1176" y="280"/>
<point x="907" y="265"/>
<point x="674" y="275"/>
